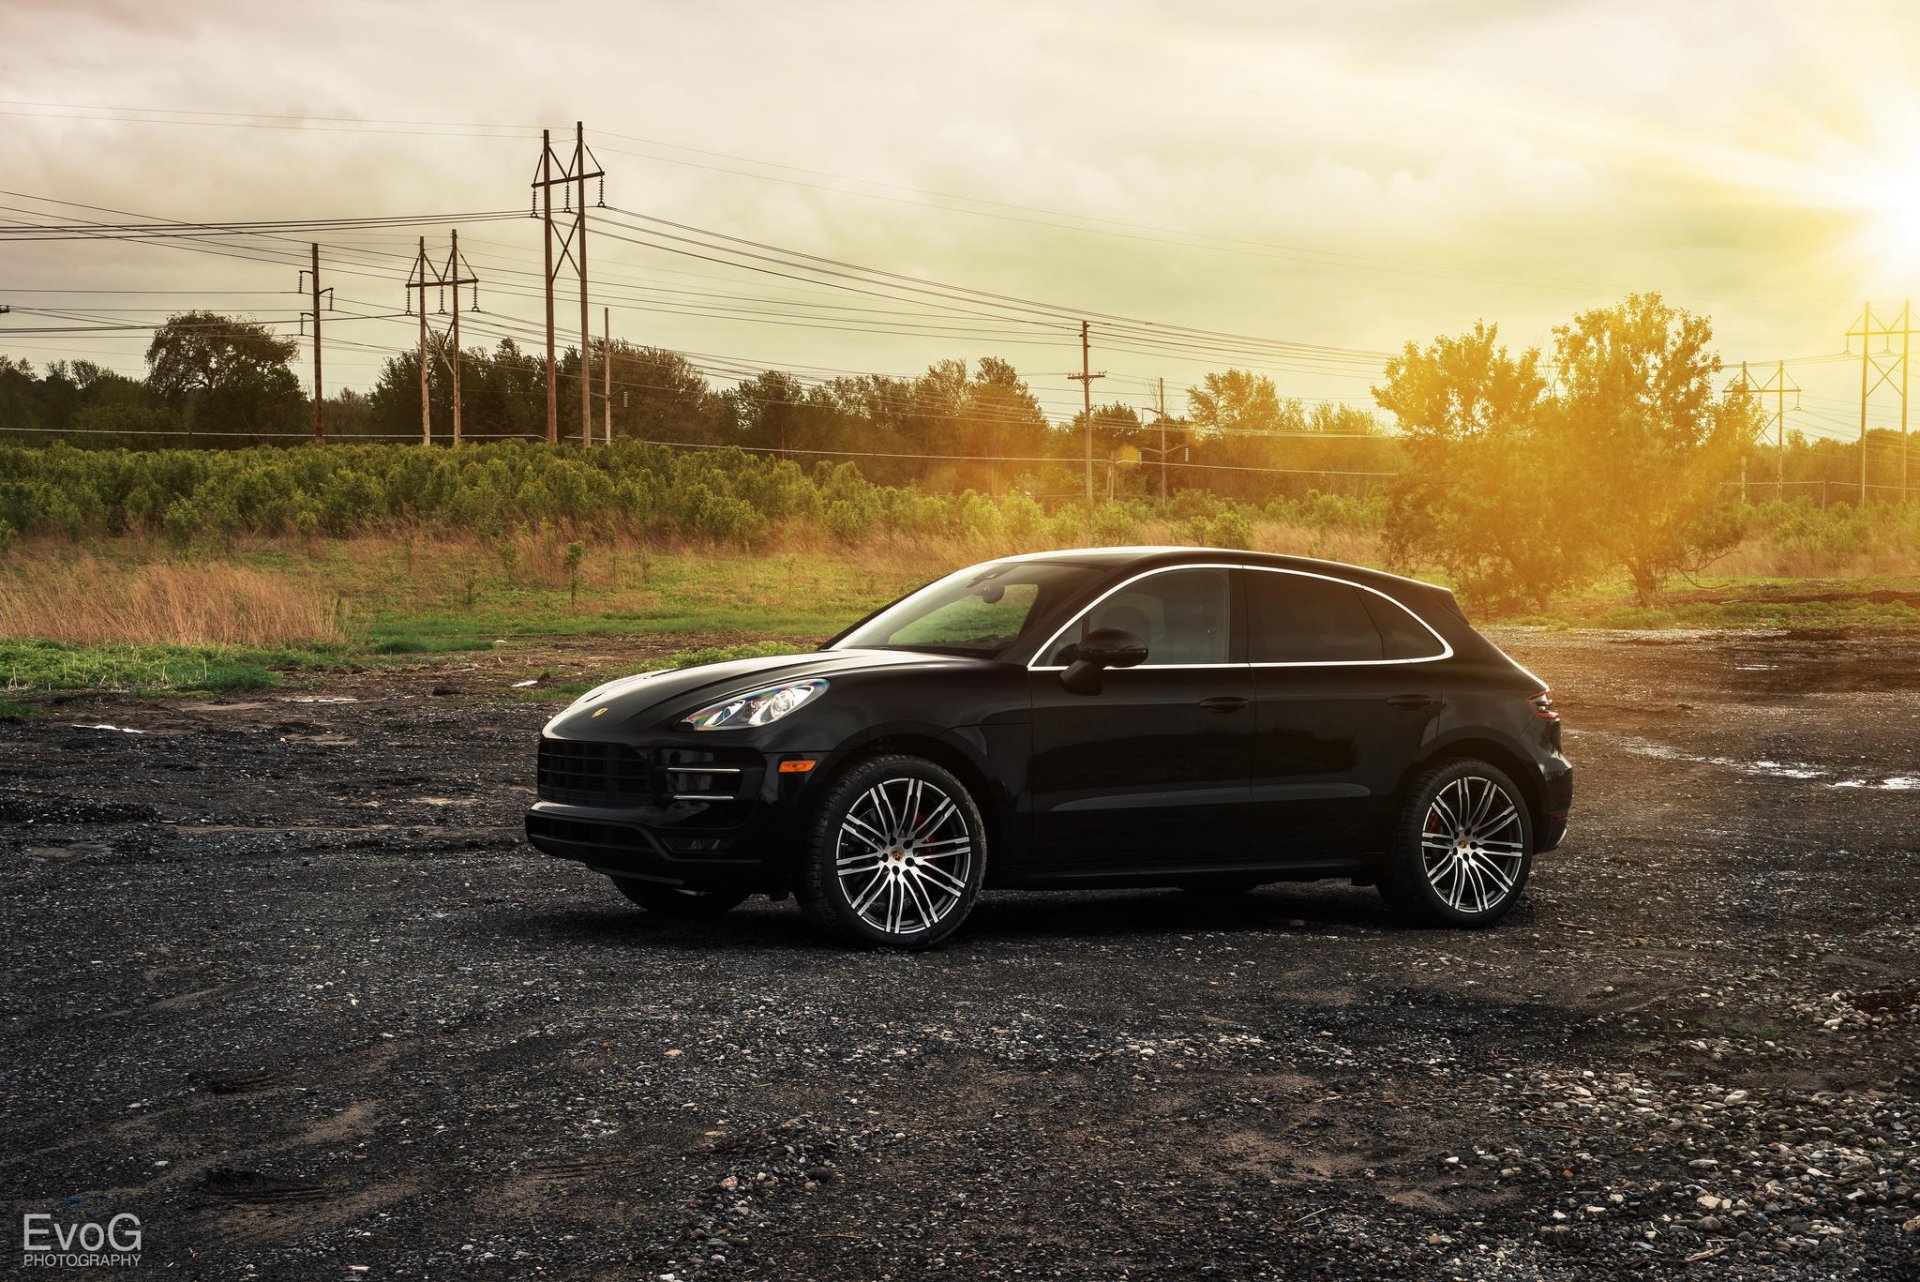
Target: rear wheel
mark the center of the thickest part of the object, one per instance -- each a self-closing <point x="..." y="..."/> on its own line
<point x="1461" y="849"/>
<point x="676" y="901"/>
<point x="894" y="856"/>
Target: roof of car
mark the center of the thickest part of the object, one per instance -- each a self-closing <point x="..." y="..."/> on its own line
<point x="1147" y="557"/>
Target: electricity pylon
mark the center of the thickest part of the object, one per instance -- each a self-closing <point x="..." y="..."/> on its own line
<point x="1883" y="368"/>
<point x="450" y="275"/>
<point x="571" y="175"/>
<point x="1779" y="385"/>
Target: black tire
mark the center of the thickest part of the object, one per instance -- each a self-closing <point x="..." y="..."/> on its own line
<point x="926" y="862"/>
<point x="1466" y="869"/>
<point x="674" y="901"/>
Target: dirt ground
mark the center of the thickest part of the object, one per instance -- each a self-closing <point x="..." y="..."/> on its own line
<point x="284" y="983"/>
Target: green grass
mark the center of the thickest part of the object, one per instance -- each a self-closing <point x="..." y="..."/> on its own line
<point x="410" y="602"/>
<point x="55" y="665"/>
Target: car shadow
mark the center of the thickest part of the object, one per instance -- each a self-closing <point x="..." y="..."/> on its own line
<point x="999" y="916"/>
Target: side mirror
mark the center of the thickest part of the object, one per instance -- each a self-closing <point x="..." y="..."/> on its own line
<point x="1103" y="648"/>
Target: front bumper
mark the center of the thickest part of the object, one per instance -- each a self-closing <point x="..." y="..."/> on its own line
<point x="736" y="826"/>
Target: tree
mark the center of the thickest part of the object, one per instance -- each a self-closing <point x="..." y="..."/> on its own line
<point x="1477" y="495"/>
<point x="1656" y="445"/>
<point x="1233" y="401"/>
<point x="229" y="374"/>
<point x="1519" y="492"/>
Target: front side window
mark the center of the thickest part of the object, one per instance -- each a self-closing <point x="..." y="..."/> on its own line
<point x="1184" y="616"/>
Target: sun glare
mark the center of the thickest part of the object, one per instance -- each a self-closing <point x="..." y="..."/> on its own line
<point x="1891" y="227"/>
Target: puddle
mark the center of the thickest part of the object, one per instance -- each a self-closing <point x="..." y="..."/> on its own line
<point x="442" y="801"/>
<point x="521" y="685"/>
<point x="115" y="729"/>
<point x="1763" y="769"/>
<point x="1898" y="783"/>
<point x="318" y="698"/>
<point x="329" y="739"/>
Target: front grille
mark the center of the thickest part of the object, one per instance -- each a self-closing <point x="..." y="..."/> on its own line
<point x="594" y="774"/>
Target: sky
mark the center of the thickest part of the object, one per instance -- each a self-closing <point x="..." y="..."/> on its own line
<point x="1345" y="178"/>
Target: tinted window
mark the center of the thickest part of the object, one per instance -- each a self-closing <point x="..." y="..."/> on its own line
<point x="1298" y="619"/>
<point x="1182" y="615"/>
<point x="1405" y="636"/>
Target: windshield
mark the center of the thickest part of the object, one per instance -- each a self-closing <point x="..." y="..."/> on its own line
<point x="981" y="610"/>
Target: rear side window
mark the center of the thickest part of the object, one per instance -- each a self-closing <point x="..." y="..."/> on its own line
<point x="1299" y="619"/>
<point x="1404" y="636"/>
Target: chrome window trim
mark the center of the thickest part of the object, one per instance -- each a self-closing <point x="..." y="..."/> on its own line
<point x="1446" y="647"/>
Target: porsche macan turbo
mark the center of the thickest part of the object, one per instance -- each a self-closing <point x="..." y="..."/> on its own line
<point x="1197" y="718"/>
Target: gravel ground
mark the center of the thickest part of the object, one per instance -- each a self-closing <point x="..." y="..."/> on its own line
<point x="286" y="985"/>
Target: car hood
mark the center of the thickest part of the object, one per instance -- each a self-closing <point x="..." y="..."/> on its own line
<point x="647" y="696"/>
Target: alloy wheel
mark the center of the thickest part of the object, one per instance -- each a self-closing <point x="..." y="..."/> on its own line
<point x="904" y="856"/>
<point x="1472" y="844"/>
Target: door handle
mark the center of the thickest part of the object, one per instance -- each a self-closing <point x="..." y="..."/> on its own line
<point x="1224" y="703"/>
<point x="1412" y="700"/>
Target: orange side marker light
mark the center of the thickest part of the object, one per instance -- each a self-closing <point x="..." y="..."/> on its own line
<point x="797" y="767"/>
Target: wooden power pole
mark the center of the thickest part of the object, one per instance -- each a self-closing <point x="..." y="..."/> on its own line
<point x="452" y="275"/>
<point x="568" y="243"/>
<point x="1085" y="378"/>
<point x="312" y="276"/>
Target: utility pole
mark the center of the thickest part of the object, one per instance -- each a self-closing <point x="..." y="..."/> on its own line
<point x="571" y="243"/>
<point x="453" y="269"/>
<point x="452" y="275"/>
<point x="606" y="369"/>
<point x="1085" y="378"/>
<point x="544" y="184"/>
<point x="426" y="406"/>
<point x="312" y="276"/>
<point x="1165" y="452"/>
<point x="1160" y="413"/>
<point x="1779" y="384"/>
<point x="1882" y="367"/>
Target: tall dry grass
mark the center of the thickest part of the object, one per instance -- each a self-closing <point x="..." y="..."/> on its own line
<point x="88" y="601"/>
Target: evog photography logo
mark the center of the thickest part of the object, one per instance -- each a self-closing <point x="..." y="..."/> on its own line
<point x="49" y="1243"/>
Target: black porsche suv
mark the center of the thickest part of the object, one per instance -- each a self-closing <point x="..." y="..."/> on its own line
<point x="1185" y="717"/>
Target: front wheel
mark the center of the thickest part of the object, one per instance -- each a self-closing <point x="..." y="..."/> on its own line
<point x="1461" y="848"/>
<point x="674" y="901"/>
<point x="894" y="855"/>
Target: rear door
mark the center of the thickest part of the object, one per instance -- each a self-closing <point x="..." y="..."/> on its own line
<point x="1151" y="772"/>
<point x="1346" y="694"/>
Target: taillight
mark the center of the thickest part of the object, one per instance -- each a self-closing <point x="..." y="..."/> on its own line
<point x="1542" y="705"/>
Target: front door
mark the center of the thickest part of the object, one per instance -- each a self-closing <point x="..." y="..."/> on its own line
<point x="1151" y="772"/>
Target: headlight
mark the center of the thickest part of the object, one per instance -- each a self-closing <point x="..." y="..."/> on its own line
<point x="757" y="708"/>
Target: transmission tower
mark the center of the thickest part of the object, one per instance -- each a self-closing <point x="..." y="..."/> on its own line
<point x="311" y="277"/>
<point x="1777" y="385"/>
<point x="1883" y="368"/>
<point x="570" y="236"/>
<point x="444" y="277"/>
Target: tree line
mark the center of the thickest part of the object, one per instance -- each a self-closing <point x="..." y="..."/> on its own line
<point x="1518" y="474"/>
<point x="220" y="382"/>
